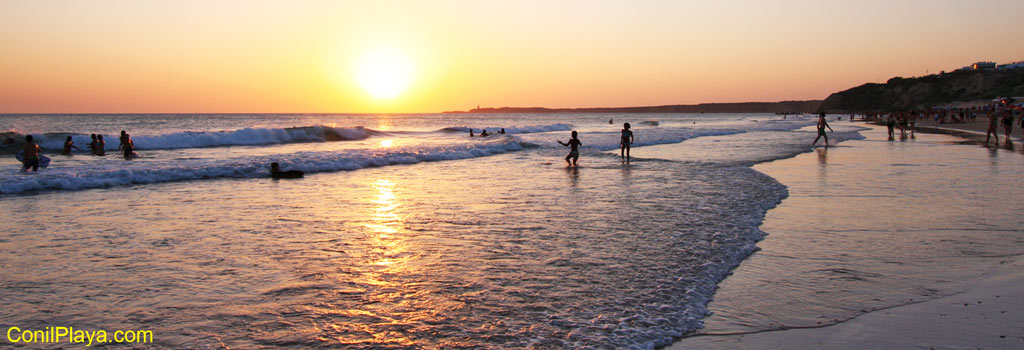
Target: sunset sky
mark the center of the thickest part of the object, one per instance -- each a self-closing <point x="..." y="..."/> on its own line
<point x="431" y="56"/>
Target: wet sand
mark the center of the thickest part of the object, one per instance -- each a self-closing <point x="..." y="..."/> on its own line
<point x="879" y="245"/>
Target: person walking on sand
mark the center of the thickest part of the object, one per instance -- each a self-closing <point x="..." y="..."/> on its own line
<point x="32" y="153"/>
<point x="574" y="148"/>
<point x="822" y="124"/>
<point x="993" y="125"/>
<point x="68" y="145"/>
<point x="625" y="141"/>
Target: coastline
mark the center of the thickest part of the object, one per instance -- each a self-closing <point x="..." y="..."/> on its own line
<point x="739" y="319"/>
<point x="986" y="316"/>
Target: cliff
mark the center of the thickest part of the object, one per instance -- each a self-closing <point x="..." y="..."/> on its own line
<point x="923" y="92"/>
<point x="741" y="107"/>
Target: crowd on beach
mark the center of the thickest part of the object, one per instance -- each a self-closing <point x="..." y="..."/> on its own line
<point x="1003" y="114"/>
<point x="31" y="154"/>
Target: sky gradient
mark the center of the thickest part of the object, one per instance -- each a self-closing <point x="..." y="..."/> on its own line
<point x="300" y="56"/>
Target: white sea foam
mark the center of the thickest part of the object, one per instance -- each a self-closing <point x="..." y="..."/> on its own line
<point x="142" y="172"/>
<point x="242" y="137"/>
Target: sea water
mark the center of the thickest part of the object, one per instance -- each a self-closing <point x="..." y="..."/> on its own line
<point x="405" y="232"/>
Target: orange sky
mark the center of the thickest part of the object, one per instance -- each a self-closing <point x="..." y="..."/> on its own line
<point x="300" y="56"/>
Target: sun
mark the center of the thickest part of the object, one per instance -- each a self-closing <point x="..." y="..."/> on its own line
<point x="384" y="74"/>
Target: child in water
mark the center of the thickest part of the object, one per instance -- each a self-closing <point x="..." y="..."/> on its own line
<point x="574" y="149"/>
<point x="275" y="172"/>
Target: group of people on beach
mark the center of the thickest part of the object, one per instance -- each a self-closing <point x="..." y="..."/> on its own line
<point x="32" y="152"/>
<point x="574" y="143"/>
<point x="1004" y="113"/>
<point x="906" y="120"/>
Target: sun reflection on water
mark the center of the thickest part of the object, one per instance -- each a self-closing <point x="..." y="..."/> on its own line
<point x="385" y="225"/>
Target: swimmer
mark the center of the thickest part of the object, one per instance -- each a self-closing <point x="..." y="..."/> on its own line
<point x="275" y="172"/>
<point x="68" y="145"/>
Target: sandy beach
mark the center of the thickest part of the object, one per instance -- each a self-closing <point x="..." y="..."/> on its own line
<point x="859" y="254"/>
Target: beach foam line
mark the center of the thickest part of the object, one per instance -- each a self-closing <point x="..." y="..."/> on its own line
<point x="129" y="173"/>
<point x="54" y="142"/>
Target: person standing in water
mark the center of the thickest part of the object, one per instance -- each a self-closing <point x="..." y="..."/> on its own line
<point x="32" y="152"/>
<point x="574" y="148"/>
<point x="68" y="145"/>
<point x="126" y="146"/>
<point x="993" y="125"/>
<point x="100" y="149"/>
<point x="822" y="124"/>
<point x="92" y="144"/>
<point x="625" y="141"/>
<point x="890" y="123"/>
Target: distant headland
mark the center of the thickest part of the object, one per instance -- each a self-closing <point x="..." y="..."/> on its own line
<point x="978" y="82"/>
<point x="789" y="107"/>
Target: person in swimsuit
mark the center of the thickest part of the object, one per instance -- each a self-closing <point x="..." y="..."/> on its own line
<point x="275" y="172"/>
<point x="822" y="124"/>
<point x="68" y="145"/>
<point x="32" y="152"/>
<point x="484" y="133"/>
<point x="1007" y="123"/>
<point x="574" y="148"/>
<point x="625" y="141"/>
<point x="993" y="125"/>
<point x="92" y="144"/>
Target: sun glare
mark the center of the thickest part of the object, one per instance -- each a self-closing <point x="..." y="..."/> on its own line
<point x="384" y="74"/>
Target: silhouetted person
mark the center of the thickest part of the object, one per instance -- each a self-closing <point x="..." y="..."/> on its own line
<point x="574" y="148"/>
<point x="993" y="126"/>
<point x="68" y="145"/>
<point x="100" y="146"/>
<point x="502" y="131"/>
<point x="126" y="146"/>
<point x="484" y="133"/>
<point x="822" y="124"/>
<point x="275" y="172"/>
<point x="471" y="133"/>
<point x="92" y="143"/>
<point x="31" y="159"/>
<point x="890" y="124"/>
<point x="625" y="141"/>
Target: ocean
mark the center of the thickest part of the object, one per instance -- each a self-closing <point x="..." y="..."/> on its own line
<point x="404" y="233"/>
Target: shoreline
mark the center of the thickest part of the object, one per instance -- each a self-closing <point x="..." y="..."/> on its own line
<point x="984" y="316"/>
<point x="903" y="324"/>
